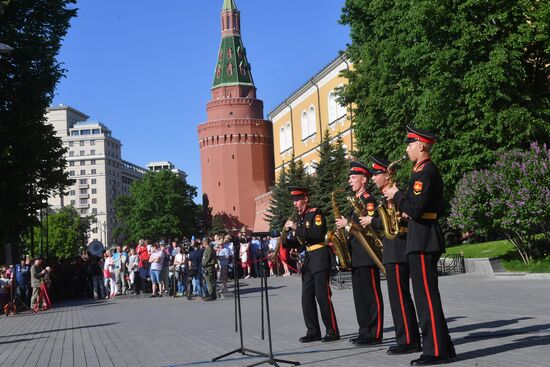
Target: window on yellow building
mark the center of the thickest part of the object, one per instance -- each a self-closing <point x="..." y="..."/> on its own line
<point x="288" y="135"/>
<point x="311" y="120"/>
<point x="305" y="125"/>
<point x="282" y="139"/>
<point x="332" y="108"/>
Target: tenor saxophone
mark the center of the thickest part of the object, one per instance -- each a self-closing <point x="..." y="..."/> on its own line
<point x="275" y="255"/>
<point x="388" y="213"/>
<point x="368" y="237"/>
<point x="338" y="237"/>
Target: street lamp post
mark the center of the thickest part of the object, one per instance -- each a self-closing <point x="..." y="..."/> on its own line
<point x="47" y="230"/>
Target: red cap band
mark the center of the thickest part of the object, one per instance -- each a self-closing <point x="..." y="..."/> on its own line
<point x="360" y="171"/>
<point x="423" y="139"/>
<point x="379" y="167"/>
<point x="297" y="193"/>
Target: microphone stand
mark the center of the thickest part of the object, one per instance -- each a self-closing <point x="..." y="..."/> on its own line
<point x="238" y="315"/>
<point x="270" y="359"/>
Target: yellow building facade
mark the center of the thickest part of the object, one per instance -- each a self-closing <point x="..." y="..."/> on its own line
<point x="300" y="121"/>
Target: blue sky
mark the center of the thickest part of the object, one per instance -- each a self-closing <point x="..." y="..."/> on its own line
<point x="145" y="68"/>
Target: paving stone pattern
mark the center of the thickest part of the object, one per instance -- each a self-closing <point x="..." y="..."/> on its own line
<point x="493" y="322"/>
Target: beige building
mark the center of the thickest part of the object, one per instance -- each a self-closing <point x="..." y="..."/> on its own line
<point x="301" y="120"/>
<point x="162" y="165"/>
<point x="94" y="162"/>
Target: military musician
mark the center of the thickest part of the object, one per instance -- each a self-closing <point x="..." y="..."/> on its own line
<point x="422" y="203"/>
<point x="396" y="264"/>
<point x="365" y="275"/>
<point x="308" y="233"/>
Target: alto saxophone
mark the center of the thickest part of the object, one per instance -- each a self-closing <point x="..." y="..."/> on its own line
<point x="338" y="237"/>
<point x="368" y="237"/>
<point x="388" y="213"/>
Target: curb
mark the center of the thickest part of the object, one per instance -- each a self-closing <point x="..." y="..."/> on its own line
<point x="493" y="267"/>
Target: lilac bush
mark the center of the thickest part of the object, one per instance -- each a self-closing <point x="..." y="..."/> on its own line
<point x="512" y="198"/>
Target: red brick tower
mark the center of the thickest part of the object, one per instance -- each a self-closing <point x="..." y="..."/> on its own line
<point x="236" y="143"/>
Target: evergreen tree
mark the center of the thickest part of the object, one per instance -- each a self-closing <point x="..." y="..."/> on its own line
<point x="31" y="156"/>
<point x="281" y="207"/>
<point x="477" y="73"/>
<point x="218" y="225"/>
<point x="331" y="176"/>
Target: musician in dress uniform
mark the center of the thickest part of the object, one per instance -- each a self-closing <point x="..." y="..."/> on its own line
<point x="422" y="203"/>
<point x="308" y="233"/>
<point x="365" y="275"/>
<point x="396" y="264"/>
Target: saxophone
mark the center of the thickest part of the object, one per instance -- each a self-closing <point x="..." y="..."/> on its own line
<point x="368" y="237"/>
<point x="388" y="213"/>
<point x="338" y="237"/>
<point x="275" y="255"/>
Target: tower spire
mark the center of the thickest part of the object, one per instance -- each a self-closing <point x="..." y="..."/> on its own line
<point x="232" y="67"/>
<point x="229" y="5"/>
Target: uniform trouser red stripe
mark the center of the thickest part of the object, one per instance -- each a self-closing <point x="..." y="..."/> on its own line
<point x="315" y="287"/>
<point x="402" y="306"/>
<point x="435" y="334"/>
<point x="369" y="305"/>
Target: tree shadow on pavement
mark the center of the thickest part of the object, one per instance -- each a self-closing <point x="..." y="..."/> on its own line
<point x="56" y="330"/>
<point x="530" y="341"/>
<point x="487" y="325"/>
<point x="21" y="340"/>
<point x="474" y="337"/>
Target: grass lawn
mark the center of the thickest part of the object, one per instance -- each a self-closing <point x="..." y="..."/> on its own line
<point x="486" y="249"/>
<point x="505" y="252"/>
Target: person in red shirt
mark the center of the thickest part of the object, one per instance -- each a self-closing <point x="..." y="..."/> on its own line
<point x="143" y="266"/>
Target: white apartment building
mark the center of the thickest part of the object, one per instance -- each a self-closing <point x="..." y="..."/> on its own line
<point x="162" y="165"/>
<point x="94" y="162"/>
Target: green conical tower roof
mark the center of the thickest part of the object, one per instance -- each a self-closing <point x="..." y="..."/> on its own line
<point x="232" y="67"/>
<point x="229" y="5"/>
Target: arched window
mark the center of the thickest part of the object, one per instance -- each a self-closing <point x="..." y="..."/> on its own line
<point x="305" y="125"/>
<point x="332" y="107"/>
<point x="288" y="135"/>
<point x="282" y="139"/>
<point x="311" y="121"/>
<point x="341" y="110"/>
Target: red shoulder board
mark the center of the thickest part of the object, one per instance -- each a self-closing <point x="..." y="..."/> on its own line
<point x="366" y="195"/>
<point x="311" y="210"/>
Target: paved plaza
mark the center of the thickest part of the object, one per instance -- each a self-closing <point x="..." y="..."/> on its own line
<point x="493" y="321"/>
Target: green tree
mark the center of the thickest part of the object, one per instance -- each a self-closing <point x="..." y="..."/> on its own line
<point x="281" y="207"/>
<point x="218" y="225"/>
<point x="477" y="73"/>
<point x="31" y="157"/>
<point x="66" y="232"/>
<point x="331" y="175"/>
<point x="159" y="205"/>
<point x="206" y="215"/>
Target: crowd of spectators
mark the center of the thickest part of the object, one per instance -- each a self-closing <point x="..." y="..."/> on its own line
<point x="196" y="269"/>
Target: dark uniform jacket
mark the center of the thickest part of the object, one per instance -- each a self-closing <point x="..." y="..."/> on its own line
<point x="394" y="250"/>
<point x="359" y="256"/>
<point x="311" y="228"/>
<point x="422" y="201"/>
